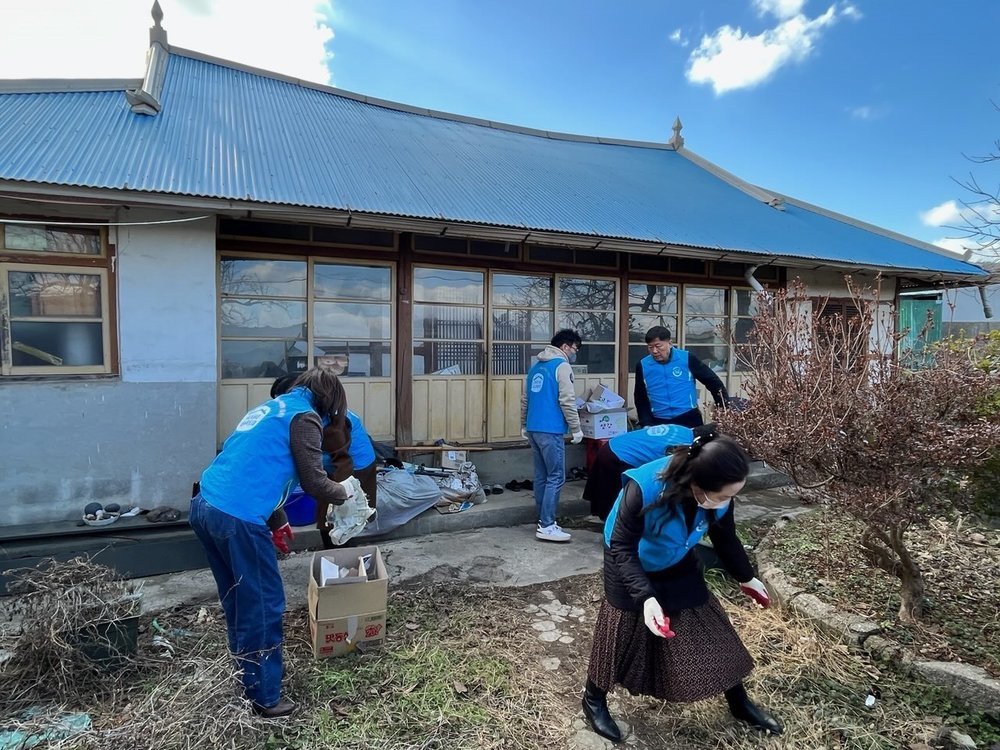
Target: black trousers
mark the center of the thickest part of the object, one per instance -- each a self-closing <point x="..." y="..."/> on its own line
<point x="690" y="419"/>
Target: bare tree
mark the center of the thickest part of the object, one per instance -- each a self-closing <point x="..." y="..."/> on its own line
<point x="831" y="406"/>
<point x="981" y="217"/>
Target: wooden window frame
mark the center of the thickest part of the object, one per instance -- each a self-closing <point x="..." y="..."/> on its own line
<point x="101" y="265"/>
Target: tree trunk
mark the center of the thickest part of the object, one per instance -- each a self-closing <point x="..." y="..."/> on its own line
<point x="911" y="580"/>
<point x="885" y="549"/>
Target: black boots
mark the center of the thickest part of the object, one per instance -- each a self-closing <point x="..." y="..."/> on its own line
<point x="746" y="710"/>
<point x="279" y="710"/>
<point x="595" y="708"/>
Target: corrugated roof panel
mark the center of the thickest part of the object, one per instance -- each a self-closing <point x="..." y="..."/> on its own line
<point x="229" y="133"/>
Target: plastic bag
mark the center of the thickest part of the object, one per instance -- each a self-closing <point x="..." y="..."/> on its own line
<point x="463" y="485"/>
<point x="349" y="519"/>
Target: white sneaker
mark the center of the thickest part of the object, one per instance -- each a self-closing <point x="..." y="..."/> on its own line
<point x="551" y="534"/>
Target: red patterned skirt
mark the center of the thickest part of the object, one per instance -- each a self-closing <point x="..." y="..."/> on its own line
<point x="705" y="658"/>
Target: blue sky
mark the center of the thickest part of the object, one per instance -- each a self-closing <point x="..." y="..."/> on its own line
<point x="861" y="106"/>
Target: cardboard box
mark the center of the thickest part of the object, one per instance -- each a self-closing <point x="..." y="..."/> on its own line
<point x="601" y="394"/>
<point x="450" y="458"/>
<point x="341" y="637"/>
<point x="604" y="424"/>
<point x="345" y="612"/>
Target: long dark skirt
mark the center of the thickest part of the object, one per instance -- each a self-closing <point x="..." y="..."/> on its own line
<point x="705" y="658"/>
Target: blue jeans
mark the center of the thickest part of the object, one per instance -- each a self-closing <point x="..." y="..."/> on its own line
<point x="245" y="566"/>
<point x="549" y="451"/>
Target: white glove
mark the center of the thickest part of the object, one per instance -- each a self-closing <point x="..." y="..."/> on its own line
<point x="577" y="437"/>
<point x="756" y="590"/>
<point x="524" y="434"/>
<point x="657" y="622"/>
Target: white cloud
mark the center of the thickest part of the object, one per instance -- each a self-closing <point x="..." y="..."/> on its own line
<point x="731" y="59"/>
<point x="109" y="38"/>
<point x="851" y="11"/>
<point x="956" y="244"/>
<point x="943" y="215"/>
<point x="867" y="112"/>
<point x="780" y="8"/>
<point x="677" y="37"/>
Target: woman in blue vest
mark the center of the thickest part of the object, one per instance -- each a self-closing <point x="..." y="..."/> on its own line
<point x="627" y="451"/>
<point x="660" y="631"/>
<point x="347" y="451"/>
<point x="273" y="448"/>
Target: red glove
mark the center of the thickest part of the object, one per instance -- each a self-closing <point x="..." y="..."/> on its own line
<point x="281" y="537"/>
<point x="657" y="622"/>
<point x="756" y="590"/>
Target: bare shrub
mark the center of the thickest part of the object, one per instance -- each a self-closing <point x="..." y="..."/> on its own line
<point x="831" y="405"/>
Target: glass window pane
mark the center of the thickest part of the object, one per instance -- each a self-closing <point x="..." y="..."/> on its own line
<point x="352" y="320"/>
<point x="742" y="363"/>
<point x="743" y="328"/>
<point x="587" y="294"/>
<point x="263" y="318"/>
<point x="352" y="282"/>
<point x="639" y="324"/>
<point x="447" y="322"/>
<point x="716" y="357"/>
<point x="264" y="359"/>
<point x="705" y="301"/>
<point x="514" y="359"/>
<point x="54" y="295"/>
<point x="81" y="241"/>
<point x="443" y="285"/>
<point x="592" y="326"/>
<point x="700" y="330"/>
<point x="364" y="359"/>
<point x="38" y="344"/>
<point x="522" y="291"/>
<point x="447" y="358"/>
<point x="259" y="277"/>
<point x="747" y="302"/>
<point x="635" y="353"/>
<point x="598" y="358"/>
<point x="522" y="325"/>
<point x="652" y="298"/>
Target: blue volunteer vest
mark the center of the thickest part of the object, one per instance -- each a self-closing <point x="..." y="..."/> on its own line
<point x="666" y="537"/>
<point x="362" y="452"/>
<point x="670" y="386"/>
<point x="650" y="443"/>
<point x="255" y="472"/>
<point x="542" y="389"/>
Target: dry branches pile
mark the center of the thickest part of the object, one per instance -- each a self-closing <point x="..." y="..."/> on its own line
<point x="70" y="623"/>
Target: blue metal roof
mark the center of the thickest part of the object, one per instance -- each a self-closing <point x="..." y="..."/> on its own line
<point x="225" y="132"/>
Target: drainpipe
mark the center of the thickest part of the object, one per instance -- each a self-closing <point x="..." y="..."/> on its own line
<point x="753" y="283"/>
<point x="987" y="310"/>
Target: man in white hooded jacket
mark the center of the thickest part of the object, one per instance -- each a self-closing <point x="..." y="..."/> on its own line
<point x="548" y="412"/>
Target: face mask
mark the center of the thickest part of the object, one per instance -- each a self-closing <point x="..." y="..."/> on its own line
<point x="571" y="357"/>
<point x="707" y="503"/>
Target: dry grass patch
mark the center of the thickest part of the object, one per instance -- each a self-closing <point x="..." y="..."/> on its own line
<point x="961" y="563"/>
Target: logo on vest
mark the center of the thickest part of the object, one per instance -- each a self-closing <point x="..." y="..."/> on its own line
<point x="252" y="419"/>
<point x="537" y="382"/>
<point x="677" y="372"/>
<point x="657" y="430"/>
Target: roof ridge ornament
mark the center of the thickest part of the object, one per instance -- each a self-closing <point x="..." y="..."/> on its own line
<point x="146" y="99"/>
<point x="677" y="140"/>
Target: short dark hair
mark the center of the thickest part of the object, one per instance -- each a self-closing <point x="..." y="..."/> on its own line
<point x="282" y="385"/>
<point x="657" y="332"/>
<point x="567" y="336"/>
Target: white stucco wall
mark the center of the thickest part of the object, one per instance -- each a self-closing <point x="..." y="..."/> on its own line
<point x="141" y="438"/>
<point x="167" y="302"/>
<point x="968" y="305"/>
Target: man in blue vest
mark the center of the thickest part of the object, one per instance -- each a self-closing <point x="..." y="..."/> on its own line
<point x="665" y="390"/>
<point x="548" y="412"/>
